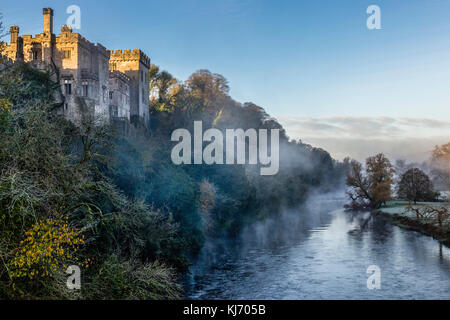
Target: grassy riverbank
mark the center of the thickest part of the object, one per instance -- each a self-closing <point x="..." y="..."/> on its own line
<point x="398" y="214"/>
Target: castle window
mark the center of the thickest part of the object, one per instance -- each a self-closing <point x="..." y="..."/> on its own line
<point x="111" y="94"/>
<point x="113" y="111"/>
<point x="68" y="88"/>
<point x="142" y="76"/>
<point x="35" y="55"/>
<point x="67" y="54"/>
<point x="85" y="88"/>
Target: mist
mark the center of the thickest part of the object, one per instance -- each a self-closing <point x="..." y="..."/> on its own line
<point x="290" y="226"/>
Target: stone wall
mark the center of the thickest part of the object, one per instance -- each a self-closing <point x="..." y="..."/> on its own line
<point x="135" y="64"/>
<point x="107" y="83"/>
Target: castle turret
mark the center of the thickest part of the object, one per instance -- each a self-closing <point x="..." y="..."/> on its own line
<point x="14" y="31"/>
<point x="135" y="64"/>
<point x="15" y="49"/>
<point x="48" y="20"/>
<point x="87" y="84"/>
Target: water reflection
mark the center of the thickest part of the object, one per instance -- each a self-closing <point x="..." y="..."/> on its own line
<point x="322" y="252"/>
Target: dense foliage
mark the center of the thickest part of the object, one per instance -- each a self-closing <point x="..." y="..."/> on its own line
<point x="58" y="209"/>
<point x="116" y="205"/>
<point x="236" y="194"/>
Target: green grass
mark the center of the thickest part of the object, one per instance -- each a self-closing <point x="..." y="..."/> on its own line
<point x="395" y="213"/>
<point x="399" y="207"/>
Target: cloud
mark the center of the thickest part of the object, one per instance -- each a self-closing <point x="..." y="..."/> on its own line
<point x="360" y="137"/>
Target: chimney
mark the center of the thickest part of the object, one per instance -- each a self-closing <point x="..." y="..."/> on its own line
<point x="14" y="31"/>
<point x="48" y="20"/>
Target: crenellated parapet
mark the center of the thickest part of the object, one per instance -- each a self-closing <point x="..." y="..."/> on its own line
<point x="130" y="55"/>
<point x="67" y="36"/>
<point x="109" y="82"/>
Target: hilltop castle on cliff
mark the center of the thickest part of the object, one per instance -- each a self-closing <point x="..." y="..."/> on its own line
<point x="110" y="84"/>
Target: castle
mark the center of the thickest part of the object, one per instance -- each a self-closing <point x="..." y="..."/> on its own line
<point x="110" y="84"/>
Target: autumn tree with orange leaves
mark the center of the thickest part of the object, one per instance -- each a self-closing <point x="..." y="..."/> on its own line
<point x="370" y="187"/>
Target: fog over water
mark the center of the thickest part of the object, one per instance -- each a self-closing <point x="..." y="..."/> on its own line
<point x="321" y="252"/>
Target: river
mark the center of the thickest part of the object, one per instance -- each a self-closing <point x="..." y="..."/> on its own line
<point x="319" y="251"/>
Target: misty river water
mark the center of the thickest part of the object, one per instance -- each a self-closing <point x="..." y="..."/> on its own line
<point x="322" y="252"/>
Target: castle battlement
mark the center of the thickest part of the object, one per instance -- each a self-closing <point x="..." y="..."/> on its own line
<point x="130" y="55"/>
<point x="68" y="36"/>
<point x="47" y="11"/>
<point x="113" y="83"/>
<point x="14" y="30"/>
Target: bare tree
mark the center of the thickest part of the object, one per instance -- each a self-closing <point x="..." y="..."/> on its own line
<point x="415" y="186"/>
<point x="359" y="186"/>
<point x="3" y="33"/>
<point x="432" y="215"/>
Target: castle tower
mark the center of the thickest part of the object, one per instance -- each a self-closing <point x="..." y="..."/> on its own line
<point x="14" y="31"/>
<point x="16" y="45"/>
<point x="48" y="39"/>
<point x="135" y="64"/>
<point x="87" y="83"/>
<point x="48" y="20"/>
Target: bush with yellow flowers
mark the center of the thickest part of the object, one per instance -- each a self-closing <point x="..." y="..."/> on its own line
<point x="5" y="105"/>
<point x="48" y="247"/>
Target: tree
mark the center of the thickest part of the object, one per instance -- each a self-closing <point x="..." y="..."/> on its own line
<point x="207" y="84"/>
<point x="415" y="186"/>
<point x="164" y="89"/>
<point x="373" y="187"/>
<point x="2" y="34"/>
<point x="153" y="74"/>
<point x="441" y="156"/>
<point x="210" y="89"/>
<point x="359" y="193"/>
<point x="440" y="161"/>
<point x="431" y="214"/>
<point x="381" y="175"/>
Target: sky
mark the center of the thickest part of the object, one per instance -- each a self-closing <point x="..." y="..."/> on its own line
<point x="314" y="65"/>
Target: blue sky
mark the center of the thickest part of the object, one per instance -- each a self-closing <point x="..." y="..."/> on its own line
<point x="312" y="64"/>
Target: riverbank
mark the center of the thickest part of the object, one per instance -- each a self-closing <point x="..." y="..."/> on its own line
<point x="396" y="213"/>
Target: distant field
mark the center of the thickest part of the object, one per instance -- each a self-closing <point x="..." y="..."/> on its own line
<point x="398" y="207"/>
